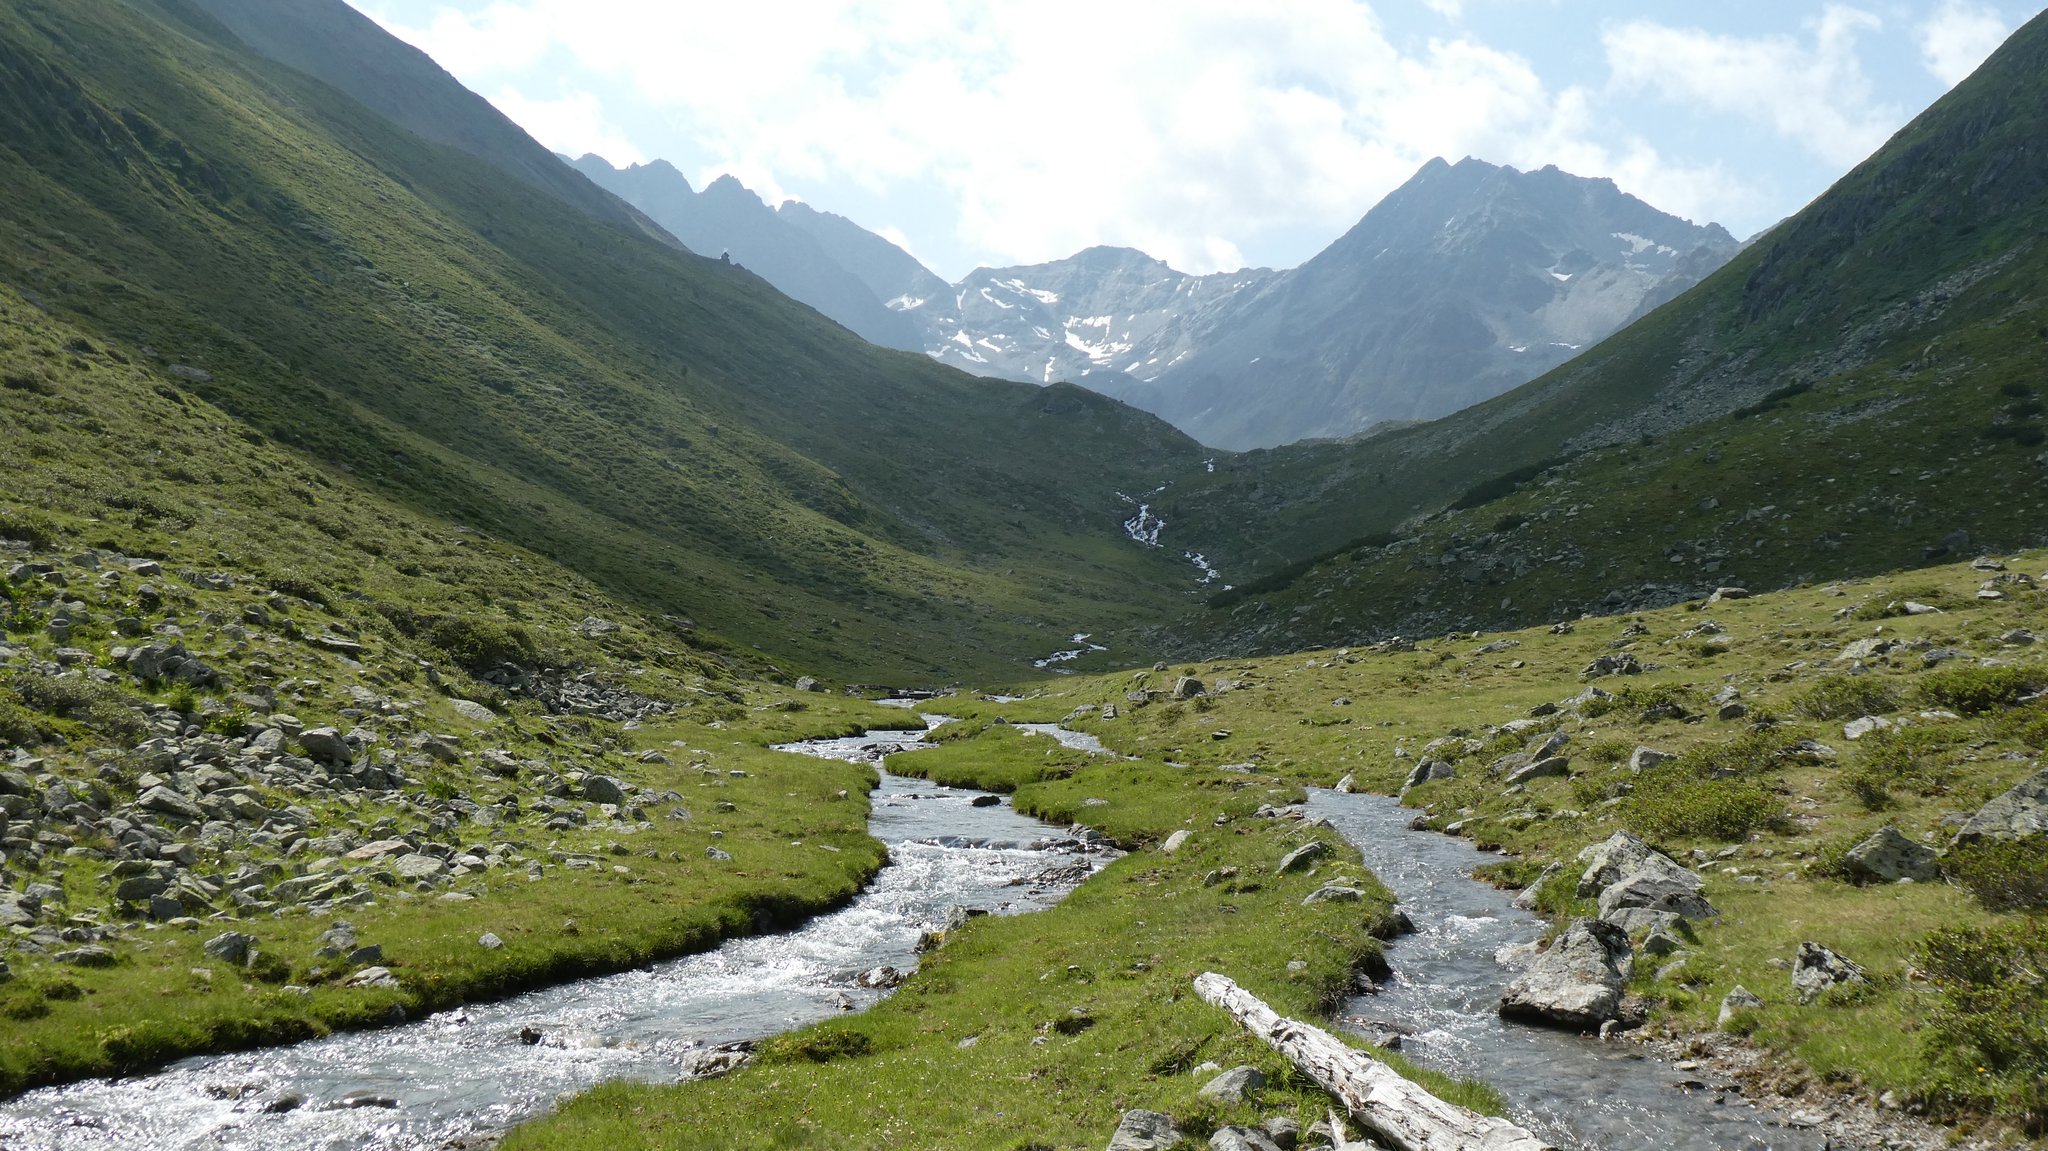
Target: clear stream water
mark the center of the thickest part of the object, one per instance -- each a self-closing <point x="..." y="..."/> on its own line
<point x="1577" y="1093"/>
<point x="467" y="1073"/>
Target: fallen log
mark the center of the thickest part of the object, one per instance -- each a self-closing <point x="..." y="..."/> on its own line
<point x="1397" y="1112"/>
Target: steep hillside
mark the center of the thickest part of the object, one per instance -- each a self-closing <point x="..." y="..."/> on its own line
<point x="1860" y="386"/>
<point x="670" y="426"/>
<point x="728" y="220"/>
<point x="339" y="46"/>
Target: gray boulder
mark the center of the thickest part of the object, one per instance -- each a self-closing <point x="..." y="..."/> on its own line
<point x="2019" y="813"/>
<point x="1233" y="1085"/>
<point x="1888" y="856"/>
<point x="1609" y="860"/>
<point x="1577" y="982"/>
<point x="603" y="789"/>
<point x="1427" y="770"/>
<point x="1241" y="1139"/>
<point x="1659" y="884"/>
<point x="230" y="947"/>
<point x="418" y="866"/>
<point x="1333" y="893"/>
<point x="1188" y="687"/>
<point x="1302" y="856"/>
<point x="472" y="711"/>
<point x="1144" y="1131"/>
<point x="1816" y="970"/>
<point x="325" y="745"/>
<point x="164" y="801"/>
<point x="1647" y="757"/>
<point x="1549" y="765"/>
<point x="1740" y="998"/>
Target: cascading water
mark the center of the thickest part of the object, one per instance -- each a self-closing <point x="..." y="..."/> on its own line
<point x="1579" y="1093"/>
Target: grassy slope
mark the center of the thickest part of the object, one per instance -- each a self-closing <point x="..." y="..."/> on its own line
<point x="1906" y="298"/>
<point x="111" y="457"/>
<point x="1775" y="829"/>
<point x="473" y="347"/>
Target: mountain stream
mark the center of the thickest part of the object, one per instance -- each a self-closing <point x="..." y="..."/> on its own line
<point x="462" y="1075"/>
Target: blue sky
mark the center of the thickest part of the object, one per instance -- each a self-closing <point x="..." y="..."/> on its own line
<point x="1211" y="133"/>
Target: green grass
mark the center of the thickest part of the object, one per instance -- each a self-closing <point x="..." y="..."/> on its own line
<point x="1769" y="814"/>
<point x="1122" y="949"/>
<point x="999" y="758"/>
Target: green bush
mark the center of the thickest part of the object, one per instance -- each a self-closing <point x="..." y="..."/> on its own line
<point x="1910" y="757"/>
<point x="1751" y="753"/>
<point x="103" y="709"/>
<point x="1640" y="697"/>
<point x="474" y="642"/>
<point x="1976" y="690"/>
<point x="2004" y="874"/>
<point x="1677" y="800"/>
<point x="30" y="527"/>
<point x="18" y="725"/>
<point x="1846" y="697"/>
<point x="1986" y="1041"/>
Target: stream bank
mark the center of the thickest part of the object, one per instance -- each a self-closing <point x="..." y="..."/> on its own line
<point x="468" y="1074"/>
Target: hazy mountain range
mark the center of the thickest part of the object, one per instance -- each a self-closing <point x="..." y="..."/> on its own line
<point x="1469" y="279"/>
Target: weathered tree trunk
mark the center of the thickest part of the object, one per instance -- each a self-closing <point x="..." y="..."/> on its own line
<point x="1396" y="1111"/>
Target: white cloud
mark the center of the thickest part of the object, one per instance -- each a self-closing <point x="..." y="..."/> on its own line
<point x="1815" y="94"/>
<point x="572" y="124"/>
<point x="1187" y="130"/>
<point x="1957" y="37"/>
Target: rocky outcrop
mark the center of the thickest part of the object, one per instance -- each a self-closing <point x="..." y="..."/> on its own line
<point x="1817" y="970"/>
<point x="1623" y="872"/>
<point x="2019" y="813"/>
<point x="1888" y="856"/>
<point x="1577" y="982"/>
<point x="1141" y="1130"/>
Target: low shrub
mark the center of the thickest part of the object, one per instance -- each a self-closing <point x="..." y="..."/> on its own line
<point x="816" y="1046"/>
<point x="1846" y="697"/>
<point x="2004" y="874"/>
<point x="1678" y="800"/>
<point x="1910" y="757"/>
<point x="104" y="709"/>
<point x="1986" y="1041"/>
<point x="1640" y="697"/>
<point x="1976" y="690"/>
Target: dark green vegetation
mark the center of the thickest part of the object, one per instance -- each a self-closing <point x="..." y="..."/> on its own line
<point x="1860" y="391"/>
<point x="313" y="603"/>
<point x="477" y="349"/>
<point x="1039" y="1031"/>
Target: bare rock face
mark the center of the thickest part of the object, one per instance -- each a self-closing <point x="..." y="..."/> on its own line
<point x="1624" y="872"/>
<point x="1816" y="970"/>
<point x="1144" y="1131"/>
<point x="2017" y="814"/>
<point x="1888" y="856"/>
<point x="1577" y="983"/>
